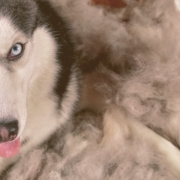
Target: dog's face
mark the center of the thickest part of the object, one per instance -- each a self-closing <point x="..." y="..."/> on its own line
<point x="16" y="65"/>
<point x="15" y="73"/>
<point x="24" y="53"/>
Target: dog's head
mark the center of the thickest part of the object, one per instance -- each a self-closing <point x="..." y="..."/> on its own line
<point x="23" y="48"/>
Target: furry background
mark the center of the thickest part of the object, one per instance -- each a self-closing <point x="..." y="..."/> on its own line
<point x="129" y="57"/>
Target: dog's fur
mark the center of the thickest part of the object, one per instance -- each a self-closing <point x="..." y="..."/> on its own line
<point x="41" y="88"/>
<point x="140" y="43"/>
<point x="130" y="62"/>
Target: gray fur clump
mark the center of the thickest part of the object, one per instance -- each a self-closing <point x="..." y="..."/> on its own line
<point x="135" y="54"/>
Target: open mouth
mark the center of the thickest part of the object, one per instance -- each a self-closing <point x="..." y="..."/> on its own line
<point x="9" y="140"/>
<point x="10" y="148"/>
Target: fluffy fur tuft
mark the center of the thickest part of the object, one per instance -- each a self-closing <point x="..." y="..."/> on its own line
<point x="139" y="49"/>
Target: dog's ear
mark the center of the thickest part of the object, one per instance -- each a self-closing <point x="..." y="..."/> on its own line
<point x="111" y="3"/>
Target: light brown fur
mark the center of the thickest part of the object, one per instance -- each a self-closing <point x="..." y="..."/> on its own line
<point x="140" y="45"/>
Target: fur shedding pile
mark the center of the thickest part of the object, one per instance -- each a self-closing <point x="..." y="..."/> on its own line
<point x="130" y="56"/>
<point x="82" y="152"/>
<point x="128" y="121"/>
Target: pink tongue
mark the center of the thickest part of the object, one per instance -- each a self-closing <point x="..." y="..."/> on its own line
<point x="9" y="149"/>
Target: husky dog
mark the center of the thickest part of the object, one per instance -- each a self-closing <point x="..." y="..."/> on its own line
<point x="40" y="88"/>
<point x="38" y="75"/>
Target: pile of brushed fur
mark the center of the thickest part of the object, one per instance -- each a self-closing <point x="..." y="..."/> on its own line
<point x="128" y="124"/>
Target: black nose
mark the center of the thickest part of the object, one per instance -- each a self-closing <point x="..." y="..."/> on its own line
<point x="8" y="130"/>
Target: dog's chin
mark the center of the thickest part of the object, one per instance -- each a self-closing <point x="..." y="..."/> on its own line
<point x="10" y="149"/>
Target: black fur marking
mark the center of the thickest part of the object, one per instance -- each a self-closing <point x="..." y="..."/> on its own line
<point x="154" y="167"/>
<point x="65" y="54"/>
<point x="64" y="173"/>
<point x="55" y="143"/>
<point x="110" y="169"/>
<point x="22" y="13"/>
<point x="4" y="174"/>
<point x="24" y="142"/>
<point x="40" y="171"/>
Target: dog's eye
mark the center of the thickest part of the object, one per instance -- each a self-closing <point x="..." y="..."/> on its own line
<point x="16" y="52"/>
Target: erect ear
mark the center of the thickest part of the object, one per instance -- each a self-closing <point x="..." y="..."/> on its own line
<point x="111" y="3"/>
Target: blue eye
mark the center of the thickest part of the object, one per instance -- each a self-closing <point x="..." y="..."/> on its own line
<point x="16" y="51"/>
